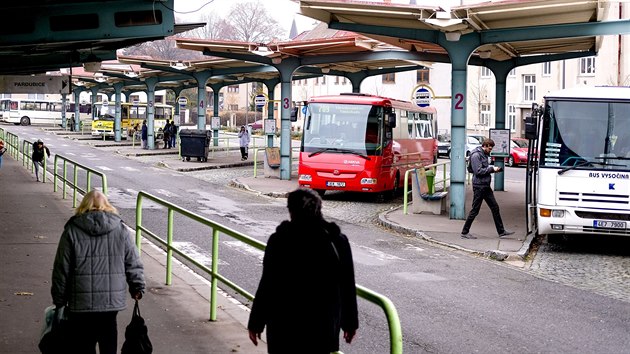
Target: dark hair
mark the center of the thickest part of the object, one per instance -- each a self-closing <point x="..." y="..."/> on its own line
<point x="488" y="142"/>
<point x="305" y="205"/>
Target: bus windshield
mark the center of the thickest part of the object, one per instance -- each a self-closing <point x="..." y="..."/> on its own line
<point x="586" y="134"/>
<point x="344" y="127"/>
<point x="105" y="112"/>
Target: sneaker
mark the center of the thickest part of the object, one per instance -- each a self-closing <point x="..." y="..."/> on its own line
<point x="506" y="233"/>
<point x="468" y="236"/>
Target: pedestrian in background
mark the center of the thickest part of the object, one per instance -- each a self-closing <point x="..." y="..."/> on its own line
<point x="243" y="140"/>
<point x="145" y="134"/>
<point x="482" y="176"/>
<point x="39" y="149"/>
<point x="95" y="263"/>
<point x="173" y="133"/>
<point x="2" y="151"/>
<point x="72" y="122"/>
<point x="307" y="292"/>
<point x="166" y="135"/>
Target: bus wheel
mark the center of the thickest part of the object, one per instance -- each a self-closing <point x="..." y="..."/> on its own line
<point x="25" y="121"/>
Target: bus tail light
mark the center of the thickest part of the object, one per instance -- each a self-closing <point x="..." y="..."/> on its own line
<point x="306" y="178"/>
<point x="369" y="181"/>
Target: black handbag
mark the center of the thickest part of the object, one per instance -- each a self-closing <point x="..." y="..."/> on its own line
<point x="53" y="338"/>
<point x="137" y="335"/>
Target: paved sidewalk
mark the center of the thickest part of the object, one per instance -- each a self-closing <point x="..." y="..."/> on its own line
<point x="32" y="217"/>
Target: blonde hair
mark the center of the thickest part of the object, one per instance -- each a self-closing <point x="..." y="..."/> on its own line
<point x="95" y="201"/>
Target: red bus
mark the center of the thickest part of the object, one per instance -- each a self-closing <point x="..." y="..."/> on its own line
<point x="364" y="143"/>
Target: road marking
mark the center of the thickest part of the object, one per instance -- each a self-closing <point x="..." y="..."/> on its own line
<point x="166" y="193"/>
<point x="413" y="248"/>
<point x="130" y="169"/>
<point x="379" y="254"/>
<point x="197" y="253"/>
<point x="245" y="249"/>
<point x="104" y="168"/>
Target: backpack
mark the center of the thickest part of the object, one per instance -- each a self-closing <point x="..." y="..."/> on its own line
<point x="469" y="167"/>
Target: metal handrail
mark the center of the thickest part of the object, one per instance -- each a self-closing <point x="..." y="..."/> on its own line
<point x="74" y="183"/>
<point x="433" y="167"/>
<point x="257" y="150"/>
<point x="13" y="141"/>
<point x="388" y="307"/>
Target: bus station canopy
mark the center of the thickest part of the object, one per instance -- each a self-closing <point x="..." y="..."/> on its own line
<point x="461" y="20"/>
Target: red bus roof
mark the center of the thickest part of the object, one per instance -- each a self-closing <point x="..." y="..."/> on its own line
<point x="362" y="98"/>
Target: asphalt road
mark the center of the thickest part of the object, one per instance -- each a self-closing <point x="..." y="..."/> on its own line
<point x="448" y="302"/>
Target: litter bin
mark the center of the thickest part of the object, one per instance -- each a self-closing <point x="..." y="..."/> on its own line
<point x="430" y="177"/>
<point x="194" y="143"/>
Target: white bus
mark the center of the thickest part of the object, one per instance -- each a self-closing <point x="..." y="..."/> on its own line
<point x="579" y="173"/>
<point x="33" y="111"/>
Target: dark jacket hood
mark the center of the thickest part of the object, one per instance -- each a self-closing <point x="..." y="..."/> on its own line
<point x="96" y="223"/>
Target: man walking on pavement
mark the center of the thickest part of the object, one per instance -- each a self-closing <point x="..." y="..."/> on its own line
<point x="482" y="176"/>
<point x="38" y="156"/>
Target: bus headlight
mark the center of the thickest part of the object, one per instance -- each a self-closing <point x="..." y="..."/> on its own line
<point x="557" y="213"/>
<point x="306" y="178"/>
<point x="368" y="180"/>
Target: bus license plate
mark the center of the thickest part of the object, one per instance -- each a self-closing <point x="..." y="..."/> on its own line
<point x="609" y="224"/>
<point x="335" y="184"/>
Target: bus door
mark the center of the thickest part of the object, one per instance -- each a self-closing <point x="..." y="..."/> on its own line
<point x="532" y="131"/>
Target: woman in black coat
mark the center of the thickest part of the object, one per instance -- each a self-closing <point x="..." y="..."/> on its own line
<point x="307" y="291"/>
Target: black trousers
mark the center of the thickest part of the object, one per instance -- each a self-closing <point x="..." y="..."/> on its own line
<point x="479" y="195"/>
<point x="89" y="328"/>
<point x="244" y="152"/>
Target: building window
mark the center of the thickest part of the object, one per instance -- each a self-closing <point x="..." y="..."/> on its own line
<point x="511" y="117"/>
<point x="345" y="80"/>
<point x="233" y="107"/>
<point x="587" y="66"/>
<point x="512" y="73"/>
<point x="36" y="96"/>
<point x="529" y="88"/>
<point x="485" y="72"/>
<point x="546" y="68"/>
<point x="389" y="78"/>
<point x="336" y="80"/>
<point x="159" y="99"/>
<point x="324" y="80"/>
<point x="484" y="114"/>
<point x="134" y="98"/>
<point x="5" y="95"/>
<point x="422" y="75"/>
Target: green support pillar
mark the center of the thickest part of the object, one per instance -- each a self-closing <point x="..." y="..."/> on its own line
<point x="356" y="79"/>
<point x="271" y="87"/>
<point x="286" y="69"/>
<point x="201" y="77"/>
<point x="500" y="71"/>
<point x="151" y="82"/>
<point x="216" y="89"/>
<point x="77" y="112"/>
<point x="117" y="119"/>
<point x="64" y="103"/>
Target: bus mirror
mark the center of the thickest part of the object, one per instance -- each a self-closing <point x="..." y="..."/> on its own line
<point x="391" y="120"/>
<point x="530" y="128"/>
<point x="294" y="114"/>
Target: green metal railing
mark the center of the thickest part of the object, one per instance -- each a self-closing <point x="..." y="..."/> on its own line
<point x="75" y="178"/>
<point x="388" y="307"/>
<point x="12" y="143"/>
<point x="434" y="167"/>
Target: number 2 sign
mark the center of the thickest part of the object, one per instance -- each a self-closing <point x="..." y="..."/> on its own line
<point x="459" y="99"/>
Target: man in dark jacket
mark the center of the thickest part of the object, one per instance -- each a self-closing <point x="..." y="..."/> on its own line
<point x="307" y="291"/>
<point x="482" y="176"/>
<point x="95" y="262"/>
<point x="38" y="156"/>
<point x="145" y="135"/>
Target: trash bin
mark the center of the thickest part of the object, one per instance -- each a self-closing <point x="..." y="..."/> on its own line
<point x="194" y="143"/>
<point x="430" y="177"/>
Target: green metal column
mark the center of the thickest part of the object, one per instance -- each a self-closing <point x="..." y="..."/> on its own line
<point x="216" y="89"/>
<point x="201" y="77"/>
<point x="356" y="79"/>
<point x="77" y="112"/>
<point x="64" y="102"/>
<point x="151" y="82"/>
<point x="501" y="71"/>
<point x="117" y="123"/>
<point x="271" y="88"/>
<point x="286" y="69"/>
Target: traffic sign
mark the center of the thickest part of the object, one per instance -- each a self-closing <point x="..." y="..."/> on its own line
<point x="182" y="101"/>
<point x="422" y="97"/>
<point x="260" y="101"/>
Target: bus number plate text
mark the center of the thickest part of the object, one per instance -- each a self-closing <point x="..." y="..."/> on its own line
<point x="609" y="224"/>
<point x="335" y="184"/>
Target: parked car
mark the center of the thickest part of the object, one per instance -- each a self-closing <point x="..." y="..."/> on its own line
<point x="444" y="145"/>
<point x="472" y="142"/>
<point x="518" y="152"/>
<point x="257" y="125"/>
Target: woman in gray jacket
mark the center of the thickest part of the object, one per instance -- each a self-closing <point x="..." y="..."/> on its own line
<point x="95" y="262"/>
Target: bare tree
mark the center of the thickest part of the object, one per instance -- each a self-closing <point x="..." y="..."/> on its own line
<point x="215" y="28"/>
<point x="250" y="22"/>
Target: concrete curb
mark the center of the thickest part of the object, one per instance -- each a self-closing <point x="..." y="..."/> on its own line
<point x="235" y="183"/>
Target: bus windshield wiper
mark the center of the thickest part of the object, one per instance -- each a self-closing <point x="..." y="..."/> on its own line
<point x="343" y="151"/>
<point x="583" y="163"/>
